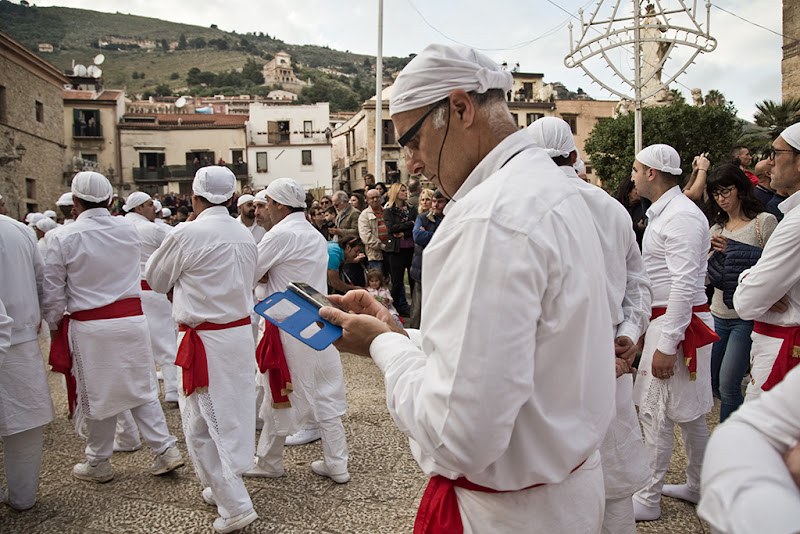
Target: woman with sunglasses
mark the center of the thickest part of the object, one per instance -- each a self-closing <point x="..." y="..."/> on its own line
<point x="740" y="230"/>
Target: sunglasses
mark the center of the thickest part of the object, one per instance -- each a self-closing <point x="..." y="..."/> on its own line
<point x="412" y="132"/>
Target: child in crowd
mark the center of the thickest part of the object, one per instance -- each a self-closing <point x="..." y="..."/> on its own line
<point x="376" y="286"/>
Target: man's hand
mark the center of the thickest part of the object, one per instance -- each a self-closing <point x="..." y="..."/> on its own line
<point x="792" y="459"/>
<point x="334" y="231"/>
<point x="366" y="320"/>
<point x="781" y="306"/>
<point x="663" y="365"/>
<point x="622" y="367"/>
<point x="625" y="349"/>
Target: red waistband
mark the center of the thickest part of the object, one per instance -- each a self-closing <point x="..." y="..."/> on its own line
<point x="789" y="354"/>
<point x="146" y="286"/>
<point x="121" y="308"/>
<point x="697" y="334"/>
<point x="215" y="326"/>
<point x="658" y="312"/>
<point x="773" y="330"/>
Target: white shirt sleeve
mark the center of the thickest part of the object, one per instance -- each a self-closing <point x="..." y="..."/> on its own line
<point x="637" y="302"/>
<point x="746" y="486"/>
<point x="165" y="265"/>
<point x="5" y="334"/>
<point x="54" y="284"/>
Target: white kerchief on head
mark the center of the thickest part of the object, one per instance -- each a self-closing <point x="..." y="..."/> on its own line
<point x="243" y="199"/>
<point x="50" y="213"/>
<point x="214" y="183"/>
<point x="792" y="135"/>
<point x="663" y="158"/>
<point x="157" y="204"/>
<point x="166" y="212"/>
<point x="65" y="200"/>
<point x="135" y="199"/>
<point x="553" y="135"/>
<point x="46" y="224"/>
<point x="287" y="192"/>
<point x="91" y="186"/>
<point x="33" y="218"/>
<point x="261" y="197"/>
<point x="440" y="69"/>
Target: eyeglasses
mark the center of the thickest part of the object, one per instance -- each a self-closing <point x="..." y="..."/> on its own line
<point x="324" y="202"/>
<point x="724" y="192"/>
<point x="411" y="132"/>
<point x="771" y="151"/>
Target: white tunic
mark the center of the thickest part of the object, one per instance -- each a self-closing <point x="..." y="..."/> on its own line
<point x="294" y="251"/>
<point x="514" y="381"/>
<point x="24" y="395"/>
<point x="256" y="229"/>
<point x="211" y="262"/>
<point x="746" y="485"/>
<point x="92" y="263"/>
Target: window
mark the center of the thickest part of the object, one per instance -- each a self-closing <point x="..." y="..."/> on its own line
<point x="261" y="162"/>
<point x="572" y="120"/>
<point x="306" y="157"/>
<point x="89" y="157"/>
<point x="39" y="111"/>
<point x="30" y="188"/>
<point x="388" y="132"/>
<point x="3" y="106"/>
<point x="527" y="88"/>
<point x="307" y="129"/>
<point x="532" y="117"/>
<point x="278" y="132"/>
<point x="86" y="123"/>
<point x="151" y="160"/>
<point x="238" y="157"/>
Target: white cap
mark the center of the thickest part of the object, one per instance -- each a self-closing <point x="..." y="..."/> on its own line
<point x="33" y="218"/>
<point x="440" y="69"/>
<point x="287" y="192"/>
<point x="65" y="200"/>
<point x="243" y="199"/>
<point x="136" y="198"/>
<point x="662" y="158"/>
<point x="553" y="135"/>
<point x="792" y="135"/>
<point x="91" y="186"/>
<point x="166" y="212"/>
<point x="261" y="197"/>
<point x="157" y="204"/>
<point x="46" y="224"/>
<point x="214" y="183"/>
<point x="50" y="213"/>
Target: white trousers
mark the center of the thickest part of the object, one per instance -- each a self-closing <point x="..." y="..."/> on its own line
<point x="659" y="451"/>
<point x="149" y="418"/>
<point x="763" y="354"/>
<point x="163" y="336"/>
<point x="22" y="453"/>
<point x="269" y="453"/>
<point x="619" y="518"/>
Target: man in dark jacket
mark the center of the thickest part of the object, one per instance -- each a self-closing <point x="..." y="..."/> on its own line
<point x="424" y="227"/>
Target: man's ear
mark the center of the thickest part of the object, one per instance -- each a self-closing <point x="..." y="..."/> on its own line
<point x="573" y="157"/>
<point x="462" y="107"/>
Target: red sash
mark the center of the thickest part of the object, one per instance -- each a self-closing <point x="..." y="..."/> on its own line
<point x="697" y="335"/>
<point x="271" y="358"/>
<point x="146" y="286"/>
<point x="192" y="354"/>
<point x="788" y="356"/>
<point x="60" y="356"/>
<point x="438" y="511"/>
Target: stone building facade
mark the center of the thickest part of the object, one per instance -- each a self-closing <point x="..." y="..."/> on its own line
<point x="32" y="148"/>
<point x="790" y="65"/>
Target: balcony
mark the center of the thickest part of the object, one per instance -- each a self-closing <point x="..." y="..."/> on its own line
<point x="178" y="173"/>
<point x="87" y="131"/>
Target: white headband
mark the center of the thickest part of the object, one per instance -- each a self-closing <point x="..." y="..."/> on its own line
<point x="792" y="135"/>
<point x="135" y="199"/>
<point x="554" y="136"/>
<point x="243" y="199"/>
<point x="287" y="192"/>
<point x="663" y="158"/>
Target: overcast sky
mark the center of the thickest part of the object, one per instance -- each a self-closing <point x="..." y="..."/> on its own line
<point x="745" y="66"/>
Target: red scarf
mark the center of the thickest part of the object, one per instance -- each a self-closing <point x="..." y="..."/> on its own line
<point x="271" y="358"/>
<point x="697" y="335"/>
<point x="192" y="354"/>
<point x="788" y="355"/>
<point x="60" y="355"/>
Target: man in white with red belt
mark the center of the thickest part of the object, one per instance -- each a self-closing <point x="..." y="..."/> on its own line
<point x="507" y="390"/>
<point x="93" y="298"/>
<point x="769" y="292"/>
<point x="623" y="455"/>
<point x="210" y="262"/>
<point x="673" y="385"/>
<point x="295" y="251"/>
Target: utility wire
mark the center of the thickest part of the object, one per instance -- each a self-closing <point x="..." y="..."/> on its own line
<point x="754" y="23"/>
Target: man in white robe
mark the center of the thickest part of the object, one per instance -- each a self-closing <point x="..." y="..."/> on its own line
<point x="509" y="384"/>
<point x="65" y="204"/>
<point x="769" y="292"/>
<point x="210" y="263"/>
<point x="623" y="455"/>
<point x="93" y="299"/>
<point x="25" y="405"/>
<point x="294" y="251"/>
<point x="673" y="385"/>
<point x="247" y="216"/>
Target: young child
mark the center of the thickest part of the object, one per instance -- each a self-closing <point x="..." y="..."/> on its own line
<point x="376" y="286"/>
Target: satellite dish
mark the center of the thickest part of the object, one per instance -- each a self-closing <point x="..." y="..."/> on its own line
<point x="79" y="70"/>
<point x="180" y="102"/>
<point x="99" y="58"/>
<point x="90" y="70"/>
<point x="97" y="72"/>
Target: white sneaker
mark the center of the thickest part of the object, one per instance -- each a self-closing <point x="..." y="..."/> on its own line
<point x="93" y="473"/>
<point x="237" y="522"/>
<point x="208" y="496"/>
<point x="680" y="491"/>
<point x="123" y="448"/>
<point x="167" y="461"/>
<point x="321" y="469"/>
<point x="642" y="512"/>
<point x="262" y="472"/>
<point x="301" y="437"/>
<point x="171" y="396"/>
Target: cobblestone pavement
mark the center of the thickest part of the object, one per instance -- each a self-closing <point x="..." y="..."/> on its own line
<point x="382" y="496"/>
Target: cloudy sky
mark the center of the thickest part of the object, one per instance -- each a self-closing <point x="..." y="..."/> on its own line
<point x="745" y="66"/>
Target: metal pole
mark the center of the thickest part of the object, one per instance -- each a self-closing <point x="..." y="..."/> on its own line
<point x="637" y="98"/>
<point x="378" y="101"/>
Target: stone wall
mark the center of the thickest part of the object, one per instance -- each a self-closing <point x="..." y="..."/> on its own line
<point x="790" y="65"/>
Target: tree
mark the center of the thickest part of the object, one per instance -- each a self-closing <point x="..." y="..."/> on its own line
<point x="252" y="71"/>
<point x="182" y="42"/>
<point x="677" y="96"/>
<point x="777" y="117"/>
<point x="162" y="89"/>
<point x="691" y="130"/>
<point x="715" y="98"/>
<point x="164" y="45"/>
<point x="197" y="43"/>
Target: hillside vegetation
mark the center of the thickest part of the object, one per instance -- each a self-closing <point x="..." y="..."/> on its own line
<point x="76" y="35"/>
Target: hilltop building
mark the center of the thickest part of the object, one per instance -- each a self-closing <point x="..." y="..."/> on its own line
<point x="279" y="70"/>
<point x="31" y="130"/>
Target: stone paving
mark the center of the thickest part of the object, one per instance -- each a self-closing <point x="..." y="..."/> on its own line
<point x="382" y="496"/>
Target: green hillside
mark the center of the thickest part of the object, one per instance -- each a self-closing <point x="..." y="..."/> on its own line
<point x="76" y="35"/>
